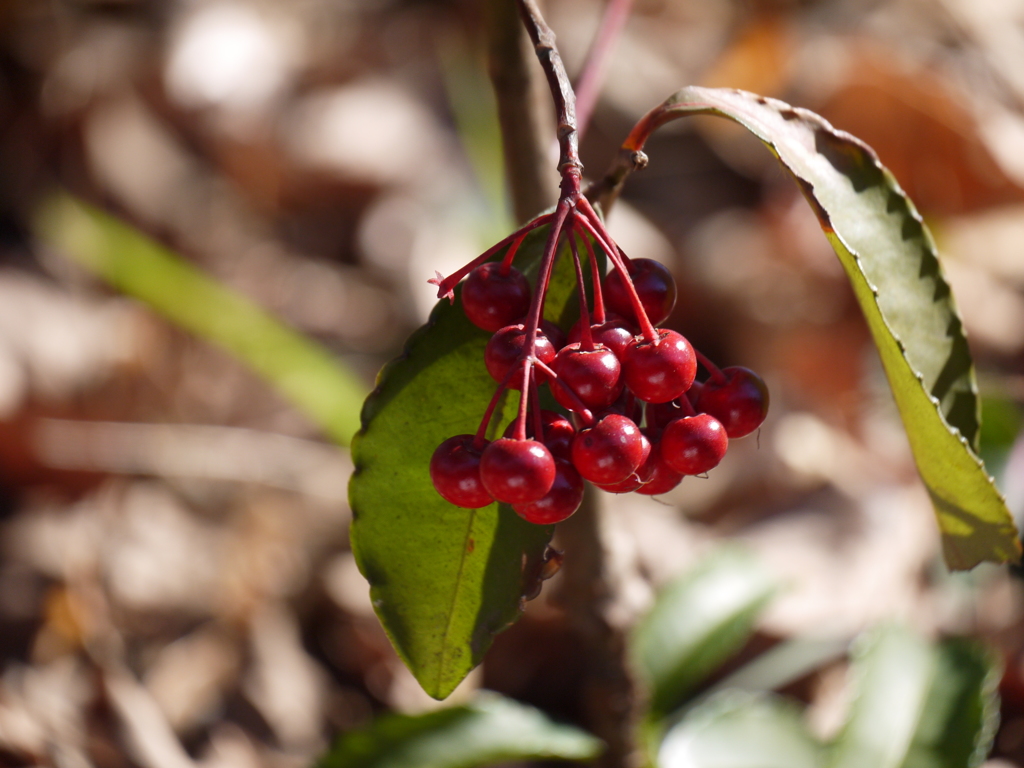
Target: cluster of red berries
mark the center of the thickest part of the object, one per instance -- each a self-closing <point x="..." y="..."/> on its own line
<point x="614" y="372"/>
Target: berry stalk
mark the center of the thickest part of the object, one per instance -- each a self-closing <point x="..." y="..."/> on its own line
<point x="592" y="223"/>
<point x="586" y="337"/>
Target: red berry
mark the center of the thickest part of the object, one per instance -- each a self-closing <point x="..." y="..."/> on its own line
<point x="659" y="371"/>
<point x="517" y="471"/>
<point x="455" y="472"/>
<point x="694" y="444"/>
<point x="493" y="298"/>
<point x="740" y="402"/>
<point x="505" y="348"/>
<point x="614" y="333"/>
<point x="661" y="478"/>
<point x="658" y="415"/>
<point x="609" y="451"/>
<point x="639" y="477"/>
<point x="594" y="375"/>
<point x="555" y="334"/>
<point x="654" y="285"/>
<point x="557" y="504"/>
<point x="558" y="432"/>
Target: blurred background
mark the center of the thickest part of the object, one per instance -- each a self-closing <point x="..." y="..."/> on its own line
<point x="175" y="582"/>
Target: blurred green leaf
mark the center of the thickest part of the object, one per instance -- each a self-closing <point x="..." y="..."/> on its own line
<point x="303" y="371"/>
<point x="784" y="664"/>
<point x="919" y="705"/>
<point x="490" y="730"/>
<point x="697" y="623"/>
<point x="890" y="258"/>
<point x="741" y="730"/>
<point x="444" y="580"/>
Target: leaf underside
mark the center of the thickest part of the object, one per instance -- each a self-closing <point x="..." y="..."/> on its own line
<point x="443" y="580"/>
<point x="891" y="261"/>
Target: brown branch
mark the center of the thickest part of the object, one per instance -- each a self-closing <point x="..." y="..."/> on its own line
<point x="561" y="89"/>
<point x="520" y="114"/>
<point x="612" y="701"/>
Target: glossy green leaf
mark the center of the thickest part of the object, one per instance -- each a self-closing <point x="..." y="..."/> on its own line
<point x="697" y="623"/>
<point x="741" y="730"/>
<point x="444" y="580"/>
<point x="919" y="705"/>
<point x="890" y="258"/>
<point x="490" y="730"/>
<point x="308" y="375"/>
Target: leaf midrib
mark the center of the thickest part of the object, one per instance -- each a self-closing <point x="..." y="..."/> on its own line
<point x="455" y="599"/>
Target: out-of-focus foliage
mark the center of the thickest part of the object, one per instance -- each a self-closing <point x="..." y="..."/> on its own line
<point x="303" y="372"/>
<point x="488" y="730"/>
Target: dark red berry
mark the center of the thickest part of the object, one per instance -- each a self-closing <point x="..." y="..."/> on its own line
<point x="693" y="445"/>
<point x="662" y="478"/>
<point x="659" y="371"/>
<point x="614" y="333"/>
<point x="555" y="334"/>
<point x="505" y="348"/>
<point x="659" y="476"/>
<point x="609" y="451"/>
<point x="594" y="375"/>
<point x="493" y="298"/>
<point x="558" y="433"/>
<point x="455" y="472"/>
<point x="740" y="401"/>
<point x="654" y="285"/>
<point x="517" y="471"/>
<point x="639" y="477"/>
<point x="693" y="393"/>
<point x="557" y="504"/>
<point x="658" y="415"/>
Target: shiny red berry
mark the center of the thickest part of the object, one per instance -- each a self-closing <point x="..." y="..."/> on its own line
<point x="517" y="471"/>
<point x="558" y="433"/>
<point x="506" y="347"/>
<point x="609" y="451"/>
<point x="660" y="477"/>
<point x="555" y="334"/>
<point x="455" y="472"/>
<point x="560" y="502"/>
<point x="661" y="370"/>
<point x="658" y="415"/>
<point x="693" y="445"/>
<point x="594" y="375"/>
<point x="740" y="401"/>
<point x="614" y="333"/>
<point x="639" y="477"/>
<point x="493" y="297"/>
<point x="654" y="285"/>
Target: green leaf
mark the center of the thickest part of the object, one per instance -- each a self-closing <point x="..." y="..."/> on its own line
<point x="784" y="664"/>
<point x="303" y="371"/>
<point x="444" y="580"/>
<point x="697" y="623"/>
<point x="890" y="258"/>
<point x="741" y="730"/>
<point x="490" y="730"/>
<point x="919" y="705"/>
